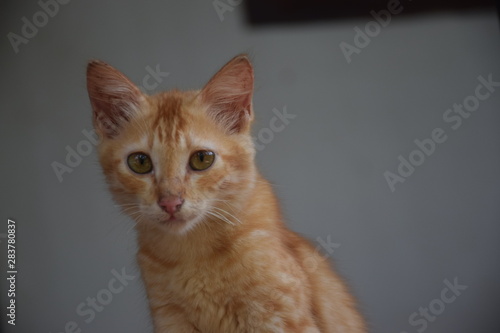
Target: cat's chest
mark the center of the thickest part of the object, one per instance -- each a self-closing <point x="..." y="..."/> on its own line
<point x="218" y="276"/>
<point x="213" y="287"/>
<point x="184" y="281"/>
<point x="219" y="293"/>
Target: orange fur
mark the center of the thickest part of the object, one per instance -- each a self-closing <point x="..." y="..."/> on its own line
<point x="225" y="261"/>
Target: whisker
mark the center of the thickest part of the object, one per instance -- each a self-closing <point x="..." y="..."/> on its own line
<point x="128" y="209"/>
<point x="228" y="203"/>
<point x="225" y="211"/>
<point x="220" y="217"/>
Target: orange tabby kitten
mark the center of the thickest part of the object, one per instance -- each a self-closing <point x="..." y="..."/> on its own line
<point x="214" y="252"/>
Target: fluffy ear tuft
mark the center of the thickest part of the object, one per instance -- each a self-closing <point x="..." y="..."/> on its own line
<point x="114" y="98"/>
<point x="228" y="95"/>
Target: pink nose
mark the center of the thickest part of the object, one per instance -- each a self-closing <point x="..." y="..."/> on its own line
<point x="171" y="204"/>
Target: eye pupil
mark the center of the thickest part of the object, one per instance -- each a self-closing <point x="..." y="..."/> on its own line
<point x="201" y="160"/>
<point x="140" y="163"/>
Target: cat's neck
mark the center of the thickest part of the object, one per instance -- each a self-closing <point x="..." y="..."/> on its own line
<point x="256" y="209"/>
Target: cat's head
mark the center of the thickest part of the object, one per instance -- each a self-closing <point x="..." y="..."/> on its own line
<point x="176" y="159"/>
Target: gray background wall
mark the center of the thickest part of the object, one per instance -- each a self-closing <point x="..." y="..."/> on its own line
<point x="352" y="122"/>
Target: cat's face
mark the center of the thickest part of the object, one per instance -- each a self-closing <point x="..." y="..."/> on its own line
<point x="176" y="159"/>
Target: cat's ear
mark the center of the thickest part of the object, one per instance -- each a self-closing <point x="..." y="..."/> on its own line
<point x="228" y="95"/>
<point x="114" y="98"/>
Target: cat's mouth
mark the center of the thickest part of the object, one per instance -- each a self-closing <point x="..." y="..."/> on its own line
<point x="174" y="219"/>
<point x="176" y="223"/>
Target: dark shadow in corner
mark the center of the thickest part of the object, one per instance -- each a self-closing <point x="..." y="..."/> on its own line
<point x="270" y="12"/>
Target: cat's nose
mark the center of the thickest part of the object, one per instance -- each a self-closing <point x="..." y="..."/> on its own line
<point x="171" y="204"/>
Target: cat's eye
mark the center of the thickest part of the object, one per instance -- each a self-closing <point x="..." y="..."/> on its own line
<point x="201" y="160"/>
<point x="140" y="163"/>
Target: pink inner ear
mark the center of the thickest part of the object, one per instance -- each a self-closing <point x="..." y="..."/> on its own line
<point x="114" y="98"/>
<point x="229" y="95"/>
